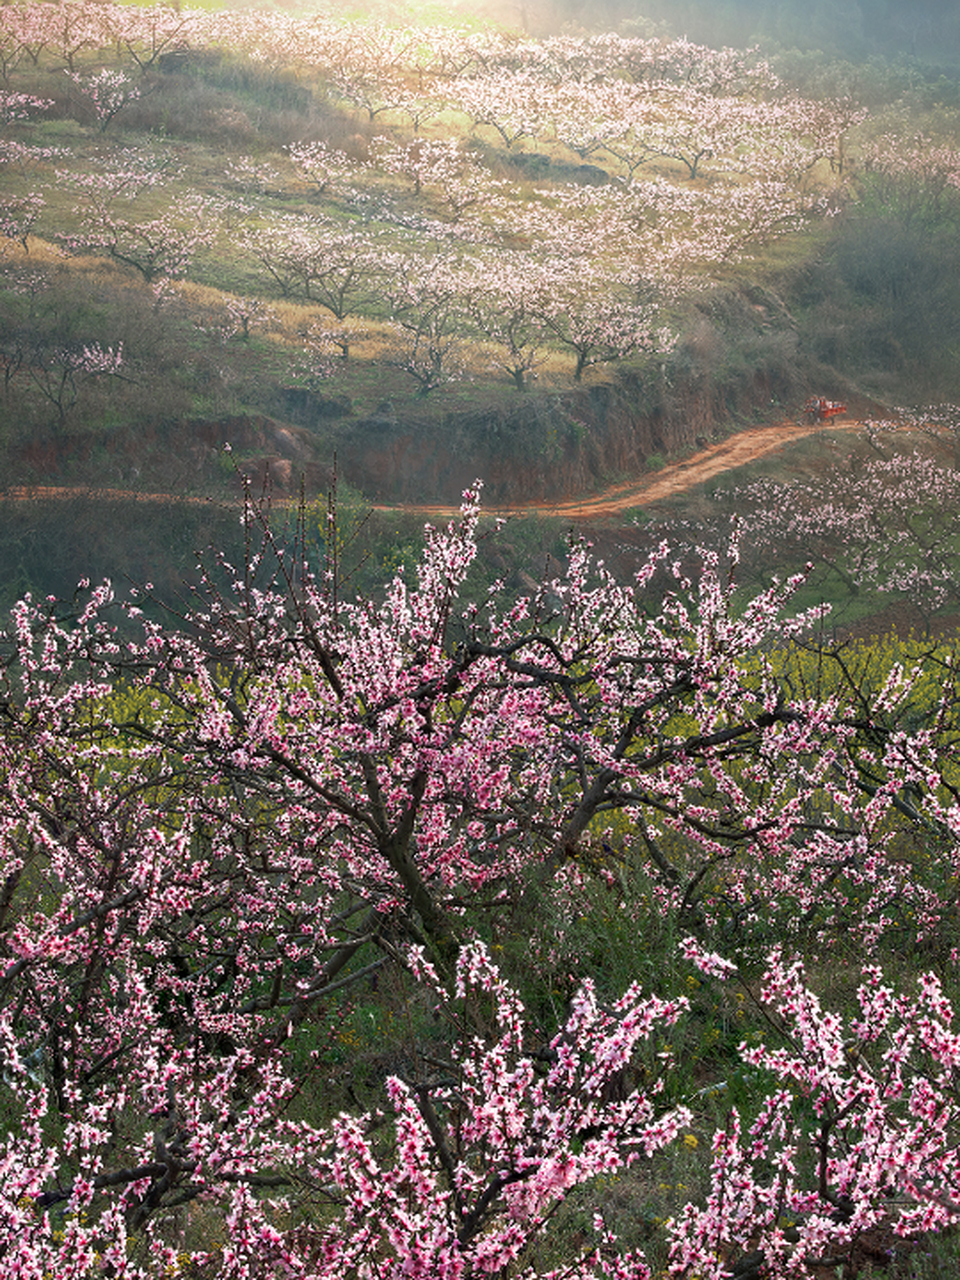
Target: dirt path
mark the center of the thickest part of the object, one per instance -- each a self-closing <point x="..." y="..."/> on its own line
<point x="63" y="493"/>
<point x="737" y="451"/>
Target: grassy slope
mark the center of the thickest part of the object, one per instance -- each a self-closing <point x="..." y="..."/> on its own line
<point x="183" y="368"/>
<point x="221" y="111"/>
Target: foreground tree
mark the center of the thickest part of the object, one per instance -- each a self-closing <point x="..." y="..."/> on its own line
<point x="106" y="93"/>
<point x="881" y="1086"/>
<point x="215" y="831"/>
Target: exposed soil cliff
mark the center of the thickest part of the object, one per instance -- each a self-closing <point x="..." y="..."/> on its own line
<point x="544" y="448"/>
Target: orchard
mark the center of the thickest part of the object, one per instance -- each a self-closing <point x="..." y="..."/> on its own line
<point x="703" y="157"/>
<point x="605" y="927"/>
<point x="572" y="203"/>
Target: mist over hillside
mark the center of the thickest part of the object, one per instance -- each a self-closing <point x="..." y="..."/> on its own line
<point x="855" y="30"/>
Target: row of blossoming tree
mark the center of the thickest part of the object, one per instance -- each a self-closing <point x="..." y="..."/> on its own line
<point x="701" y="157"/>
<point x="219" y="829"/>
<point x="587" y="271"/>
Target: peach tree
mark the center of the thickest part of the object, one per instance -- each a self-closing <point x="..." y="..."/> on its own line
<point x="219" y="827"/>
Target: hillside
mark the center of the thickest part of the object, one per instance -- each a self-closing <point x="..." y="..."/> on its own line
<point x="445" y="253"/>
<point x="293" y="248"/>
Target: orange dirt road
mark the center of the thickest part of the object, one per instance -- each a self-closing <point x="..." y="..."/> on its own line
<point x="737" y="451"/>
